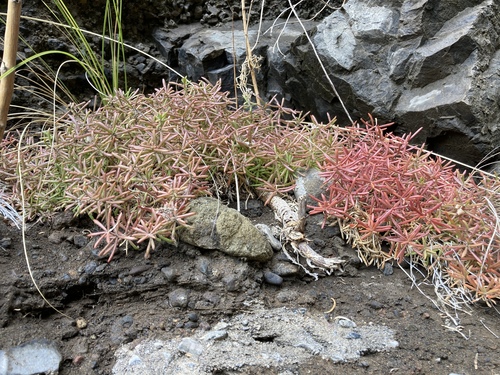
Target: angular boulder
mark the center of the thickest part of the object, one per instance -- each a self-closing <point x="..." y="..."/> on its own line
<point x="424" y="64"/>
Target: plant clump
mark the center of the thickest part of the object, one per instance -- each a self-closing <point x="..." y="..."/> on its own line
<point x="134" y="164"/>
<point x="382" y="190"/>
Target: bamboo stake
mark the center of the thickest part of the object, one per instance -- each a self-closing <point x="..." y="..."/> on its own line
<point x="9" y="60"/>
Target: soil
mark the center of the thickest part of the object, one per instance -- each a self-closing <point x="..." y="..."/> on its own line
<point x="80" y="284"/>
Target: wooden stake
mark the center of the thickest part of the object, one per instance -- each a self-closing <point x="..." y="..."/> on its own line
<point x="9" y="60"/>
<point x="249" y="53"/>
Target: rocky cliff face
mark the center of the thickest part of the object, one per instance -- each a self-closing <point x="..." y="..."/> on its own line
<point x="430" y="64"/>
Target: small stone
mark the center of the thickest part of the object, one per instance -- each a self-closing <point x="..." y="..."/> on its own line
<point x="80" y="240"/>
<point x="397" y="313"/>
<point x="56" y="237"/>
<point x="81" y="323"/>
<point x="216" y="226"/>
<point x="178" y="297"/>
<point x="363" y="364"/>
<point x="204" y="267"/>
<point x="345" y="323"/>
<point x="140" y="280"/>
<point x="231" y="283"/>
<point x="353" y="336"/>
<point x="193" y="317"/>
<point x="191" y="325"/>
<point x="191" y="346"/>
<point x="388" y="269"/>
<point x="101" y="267"/>
<point x="375" y="305"/>
<point x="272" y="278"/>
<point x="90" y="268"/>
<point x="285" y="269"/>
<point x="215" y="335"/>
<point x="170" y="273"/>
<point x="137" y="270"/>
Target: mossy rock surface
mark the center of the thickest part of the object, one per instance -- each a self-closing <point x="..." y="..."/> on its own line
<point x="216" y="226"/>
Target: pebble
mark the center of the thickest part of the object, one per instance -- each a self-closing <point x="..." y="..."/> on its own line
<point x="137" y="270"/>
<point x="353" y="336"/>
<point x="191" y="346"/>
<point x="101" y="267"/>
<point x="375" y="305"/>
<point x="170" y="273"/>
<point x="80" y="240"/>
<point x="231" y="283"/>
<point x="388" y="269"/>
<point x="345" y="323"/>
<point x="140" y="280"/>
<point x="178" y="297"/>
<point x="90" y="268"/>
<point x="272" y="278"/>
<point x="56" y="237"/>
<point x="193" y="317"/>
<point x="191" y="325"/>
<point x="215" y="335"/>
<point x="285" y="269"/>
<point x="205" y="267"/>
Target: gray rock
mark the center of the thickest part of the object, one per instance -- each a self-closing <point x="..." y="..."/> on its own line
<point x="57" y="237"/>
<point x="170" y="273"/>
<point x="215" y="335"/>
<point x="388" y="269"/>
<point x="403" y="60"/>
<point x="179" y="297"/>
<point x="90" y="267"/>
<point x="285" y="269"/>
<point x="191" y="346"/>
<point x="272" y="278"/>
<point x="34" y="357"/>
<point x="216" y="226"/>
<point x="80" y="240"/>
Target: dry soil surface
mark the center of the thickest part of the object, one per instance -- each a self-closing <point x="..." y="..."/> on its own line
<point x="131" y="299"/>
